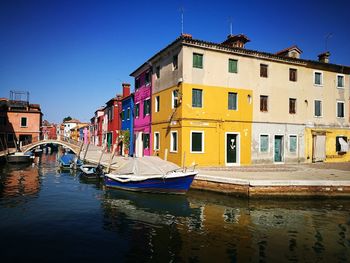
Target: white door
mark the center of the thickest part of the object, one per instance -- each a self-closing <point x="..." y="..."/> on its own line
<point x="138" y="145"/>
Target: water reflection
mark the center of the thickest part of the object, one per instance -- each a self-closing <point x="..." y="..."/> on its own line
<point x="19" y="180"/>
<point x="89" y="222"/>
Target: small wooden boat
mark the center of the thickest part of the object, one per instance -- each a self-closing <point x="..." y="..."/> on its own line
<point x="19" y="157"/>
<point x="69" y="161"/>
<point x="151" y="174"/>
<point x="90" y="171"/>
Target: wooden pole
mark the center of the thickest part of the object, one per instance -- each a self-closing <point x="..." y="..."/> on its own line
<point x="110" y="160"/>
<point x="80" y="148"/>
<point x="99" y="160"/>
<point x="184" y="161"/>
<point x="166" y="155"/>
<point x="7" y="148"/>
<point x="86" y="150"/>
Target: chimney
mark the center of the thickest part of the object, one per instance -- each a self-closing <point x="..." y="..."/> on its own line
<point x="324" y="57"/>
<point x="236" y="41"/>
<point x="184" y="35"/>
<point x="126" y="89"/>
<point x="291" y="52"/>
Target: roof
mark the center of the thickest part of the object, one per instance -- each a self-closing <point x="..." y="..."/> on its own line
<point x="295" y="47"/>
<point x="189" y="41"/>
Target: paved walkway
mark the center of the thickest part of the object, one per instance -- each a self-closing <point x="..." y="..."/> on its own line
<point x="288" y="174"/>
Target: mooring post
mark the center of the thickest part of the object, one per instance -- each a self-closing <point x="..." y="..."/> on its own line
<point x="110" y="160"/>
<point x="80" y="148"/>
<point x="99" y="160"/>
<point x="86" y="150"/>
<point x="184" y="160"/>
<point x="166" y="155"/>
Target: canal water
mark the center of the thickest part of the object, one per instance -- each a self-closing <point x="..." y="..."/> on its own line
<point x="51" y="216"/>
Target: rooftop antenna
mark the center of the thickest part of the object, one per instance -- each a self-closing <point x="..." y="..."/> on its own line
<point x="182" y="20"/>
<point x="326" y="40"/>
<point x="230" y="23"/>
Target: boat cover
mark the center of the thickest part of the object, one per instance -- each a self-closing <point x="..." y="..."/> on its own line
<point x="144" y="166"/>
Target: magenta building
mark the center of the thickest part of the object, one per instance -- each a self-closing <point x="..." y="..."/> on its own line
<point x="142" y="110"/>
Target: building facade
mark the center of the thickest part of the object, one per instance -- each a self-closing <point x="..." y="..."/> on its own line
<point x="142" y="114"/>
<point x="127" y="125"/>
<point x="20" y="122"/>
<point x="221" y="104"/>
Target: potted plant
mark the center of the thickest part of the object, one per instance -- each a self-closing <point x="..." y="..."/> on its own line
<point x="126" y="141"/>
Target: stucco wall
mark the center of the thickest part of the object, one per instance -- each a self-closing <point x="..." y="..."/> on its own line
<point x="277" y="129"/>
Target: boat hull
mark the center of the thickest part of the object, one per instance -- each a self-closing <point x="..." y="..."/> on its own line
<point x="173" y="185"/>
<point x="19" y="158"/>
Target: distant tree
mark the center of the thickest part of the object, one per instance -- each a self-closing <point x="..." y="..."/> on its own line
<point x="67" y="118"/>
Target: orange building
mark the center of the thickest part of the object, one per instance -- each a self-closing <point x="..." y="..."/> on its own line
<point x="20" y="121"/>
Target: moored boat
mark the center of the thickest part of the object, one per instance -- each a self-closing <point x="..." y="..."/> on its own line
<point x="69" y="161"/>
<point x="150" y="174"/>
<point x="19" y="157"/>
<point x="90" y="171"/>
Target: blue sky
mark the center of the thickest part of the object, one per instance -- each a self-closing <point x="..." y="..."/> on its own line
<point x="72" y="56"/>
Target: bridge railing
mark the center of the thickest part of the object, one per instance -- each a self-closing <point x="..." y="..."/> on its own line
<point x="41" y="138"/>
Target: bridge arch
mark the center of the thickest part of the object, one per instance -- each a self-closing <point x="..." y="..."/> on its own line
<point x="73" y="147"/>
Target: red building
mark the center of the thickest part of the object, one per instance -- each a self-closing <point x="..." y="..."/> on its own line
<point x="113" y="110"/>
<point x="49" y="130"/>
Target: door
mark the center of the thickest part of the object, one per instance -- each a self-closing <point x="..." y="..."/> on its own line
<point x="278" y="149"/>
<point x="319" y="147"/>
<point x="109" y="141"/>
<point x="231" y="149"/>
<point x="138" y="144"/>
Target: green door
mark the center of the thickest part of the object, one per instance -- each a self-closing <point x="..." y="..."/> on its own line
<point x="109" y="141"/>
<point x="231" y="148"/>
<point x="278" y="154"/>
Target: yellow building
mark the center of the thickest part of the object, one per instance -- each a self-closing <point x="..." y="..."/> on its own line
<point x="220" y="104"/>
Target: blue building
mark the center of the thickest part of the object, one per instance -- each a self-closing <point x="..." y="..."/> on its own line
<point x="127" y="119"/>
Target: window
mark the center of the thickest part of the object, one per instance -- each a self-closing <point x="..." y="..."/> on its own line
<point x="293" y="141"/>
<point x="341" y="144"/>
<point x="158" y="72"/>
<point x="145" y="140"/>
<point x="148" y="78"/>
<point x="232" y="101"/>
<point x="175" y="99"/>
<point x="340" y="81"/>
<point x="263" y="103"/>
<point x="156" y="141"/>
<point x="197" y="98"/>
<point x="173" y="141"/>
<point x="156" y="104"/>
<point x="146" y="107"/>
<point x="137" y="110"/>
<point x="292" y="106"/>
<point x="137" y="84"/>
<point x="24" y="122"/>
<point x="318" y="78"/>
<point x="197" y="60"/>
<point x="232" y="65"/>
<point x="175" y="62"/>
<point x="128" y="114"/>
<point x="264" y="143"/>
<point x="318" y="108"/>
<point x="197" y="142"/>
<point x="263" y="70"/>
<point x="292" y="74"/>
<point x="340" y="109"/>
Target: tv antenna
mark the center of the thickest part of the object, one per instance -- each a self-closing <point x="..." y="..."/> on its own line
<point x="230" y="24"/>
<point x="182" y="19"/>
<point x="327" y="37"/>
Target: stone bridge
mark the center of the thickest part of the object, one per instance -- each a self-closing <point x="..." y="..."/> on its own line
<point x="73" y="145"/>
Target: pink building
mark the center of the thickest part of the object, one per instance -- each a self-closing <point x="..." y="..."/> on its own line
<point x="142" y="106"/>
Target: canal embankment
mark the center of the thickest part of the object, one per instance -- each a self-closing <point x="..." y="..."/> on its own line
<point x="314" y="180"/>
<point x="319" y="180"/>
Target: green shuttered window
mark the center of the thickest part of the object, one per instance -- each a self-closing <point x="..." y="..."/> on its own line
<point x="264" y="143"/>
<point x="232" y="101"/>
<point x="197" y="98"/>
<point x="232" y="66"/>
<point x="197" y="141"/>
<point x="197" y="60"/>
<point x="292" y="143"/>
<point x="146" y="107"/>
